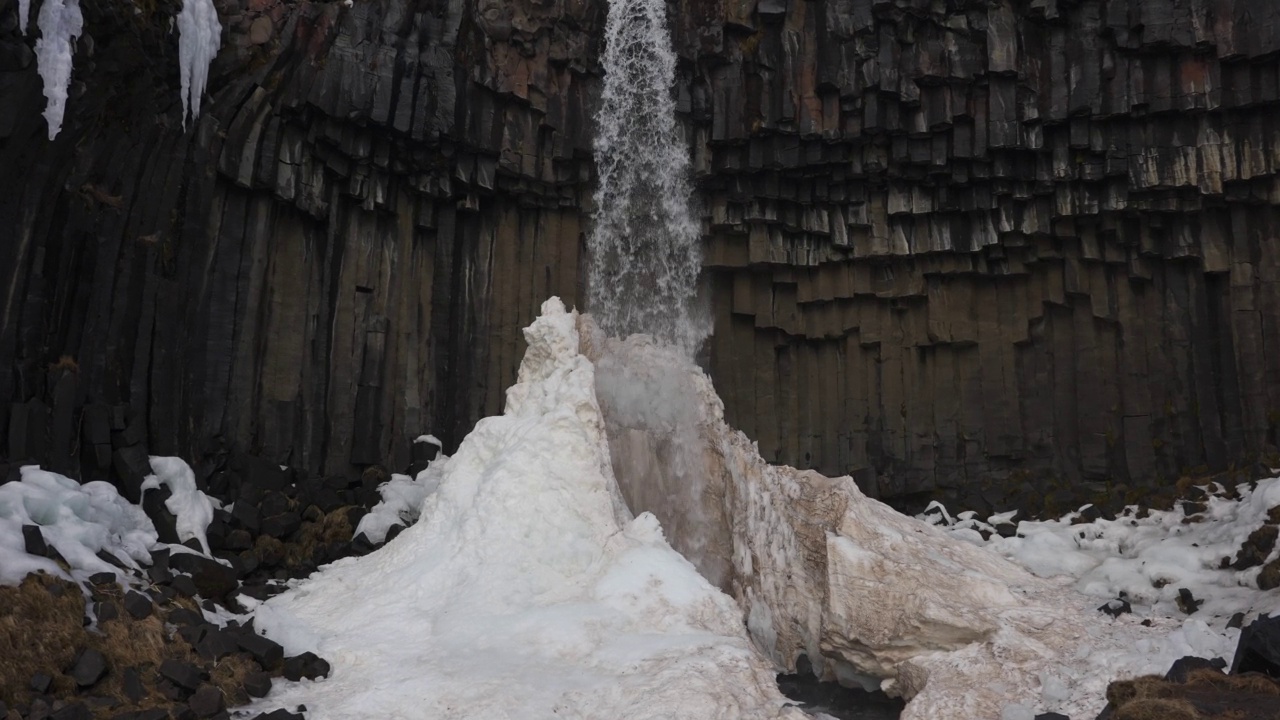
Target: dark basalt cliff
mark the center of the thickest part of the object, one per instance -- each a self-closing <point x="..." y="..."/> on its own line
<point x="948" y="242"/>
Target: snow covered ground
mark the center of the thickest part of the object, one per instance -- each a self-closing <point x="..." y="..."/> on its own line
<point x="1147" y="560"/>
<point x="81" y="521"/>
<point x="525" y="588"/>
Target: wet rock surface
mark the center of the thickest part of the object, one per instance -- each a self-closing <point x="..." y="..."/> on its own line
<point x="832" y="699"/>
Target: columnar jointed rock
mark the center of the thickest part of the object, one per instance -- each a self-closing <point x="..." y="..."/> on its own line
<point x="946" y="241"/>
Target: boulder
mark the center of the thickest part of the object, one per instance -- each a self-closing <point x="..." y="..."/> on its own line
<point x="1259" y="648"/>
<point x="89" y="668"/>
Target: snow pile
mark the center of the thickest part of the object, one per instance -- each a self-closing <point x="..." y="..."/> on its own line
<point x="192" y="508"/>
<point x="60" y="24"/>
<point x="1147" y="560"/>
<point x="79" y="521"/>
<point x="199" y="38"/>
<point x="867" y="594"/>
<point x="402" y="498"/>
<point x="525" y="589"/>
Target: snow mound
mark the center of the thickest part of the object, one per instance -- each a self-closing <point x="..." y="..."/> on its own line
<point x="60" y="24"/>
<point x="79" y="521"/>
<point x="863" y="591"/>
<point x="192" y="508"/>
<point x="525" y="590"/>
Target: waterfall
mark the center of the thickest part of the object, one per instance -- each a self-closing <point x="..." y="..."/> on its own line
<point x="644" y="245"/>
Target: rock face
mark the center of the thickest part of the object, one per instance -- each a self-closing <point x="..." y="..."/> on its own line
<point x="946" y="243"/>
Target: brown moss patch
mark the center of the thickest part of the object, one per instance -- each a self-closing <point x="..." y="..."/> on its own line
<point x="1208" y="694"/>
<point x="228" y="675"/>
<point x="334" y="527"/>
<point x="41" y="631"/>
<point x="1254" y="683"/>
<point x="1157" y="709"/>
<point x="270" y="551"/>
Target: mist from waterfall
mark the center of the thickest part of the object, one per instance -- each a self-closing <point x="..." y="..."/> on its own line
<point x="644" y="245"/>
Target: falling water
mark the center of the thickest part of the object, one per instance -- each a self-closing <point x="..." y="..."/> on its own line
<point x="643" y="280"/>
<point x="644" y="245"/>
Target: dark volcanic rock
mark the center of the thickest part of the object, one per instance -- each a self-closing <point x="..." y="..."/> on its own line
<point x="182" y="674"/>
<point x="34" y="541"/>
<point x="257" y="684"/>
<point x="946" y="243"/>
<point x="72" y="711"/>
<point x="307" y="665"/>
<point x="40" y="683"/>
<point x="1259" y="648"/>
<point x="1116" y="608"/>
<point x="212" y="579"/>
<point x="131" y="685"/>
<point x="138" y="605"/>
<point x="206" y="702"/>
<point x="267" y="652"/>
<point x="1256" y="547"/>
<point x="281" y="526"/>
<point x="280" y="714"/>
<point x="89" y="668"/>
<point x="1187" y="602"/>
<point x="1183" y="666"/>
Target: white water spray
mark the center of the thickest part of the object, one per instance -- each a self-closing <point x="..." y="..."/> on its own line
<point x="644" y="246"/>
<point x="644" y="264"/>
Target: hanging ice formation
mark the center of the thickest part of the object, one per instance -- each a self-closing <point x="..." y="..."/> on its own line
<point x="60" y="22"/>
<point x="60" y="25"/>
<point x="644" y="245"/>
<point x="199" y="37"/>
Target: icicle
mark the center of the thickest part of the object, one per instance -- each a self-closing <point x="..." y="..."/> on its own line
<point x="60" y="24"/>
<point x="199" y="37"/>
<point x="24" y="9"/>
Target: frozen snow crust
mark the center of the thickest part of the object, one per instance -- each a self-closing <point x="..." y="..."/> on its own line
<point x="866" y="593"/>
<point x="77" y="520"/>
<point x="81" y="521"/>
<point x="525" y="590"/>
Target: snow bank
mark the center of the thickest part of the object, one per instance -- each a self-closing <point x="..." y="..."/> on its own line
<point x="192" y="508"/>
<point x="864" y="592"/>
<point x="79" y="521"/>
<point x="199" y="38"/>
<point x="525" y="590"/>
<point x="60" y="24"/>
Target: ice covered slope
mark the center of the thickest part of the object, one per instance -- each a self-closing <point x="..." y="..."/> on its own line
<point x="525" y="590"/>
<point x="820" y="569"/>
